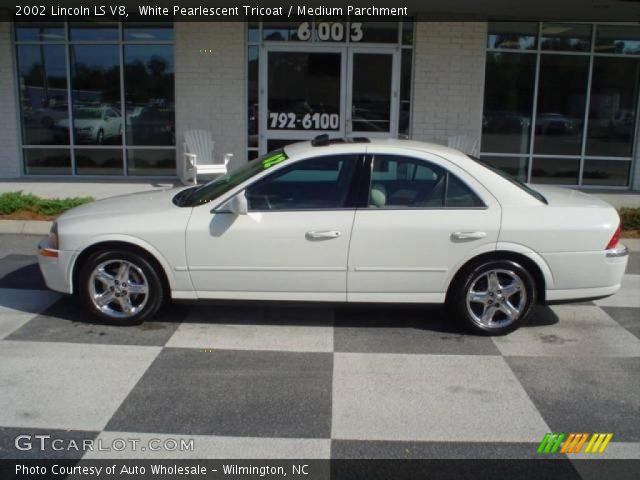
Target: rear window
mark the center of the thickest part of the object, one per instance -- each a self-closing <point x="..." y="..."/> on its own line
<point x="534" y="193"/>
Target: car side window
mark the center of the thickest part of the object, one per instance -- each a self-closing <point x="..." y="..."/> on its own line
<point x="312" y="184"/>
<point x="404" y="182"/>
<point x="459" y="195"/>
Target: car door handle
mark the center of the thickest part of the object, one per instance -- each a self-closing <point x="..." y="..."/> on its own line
<point x="323" y="235"/>
<point x="468" y="235"/>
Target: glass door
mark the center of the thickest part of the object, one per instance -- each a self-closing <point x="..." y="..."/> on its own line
<point x="303" y="95"/>
<point x="338" y="90"/>
<point x="372" y="97"/>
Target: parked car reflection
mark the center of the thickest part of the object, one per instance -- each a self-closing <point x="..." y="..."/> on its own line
<point x="93" y="125"/>
<point x="555" y="123"/>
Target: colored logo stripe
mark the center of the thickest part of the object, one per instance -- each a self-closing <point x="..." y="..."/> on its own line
<point x="598" y="442"/>
<point x="550" y="443"/>
<point x="574" y="442"/>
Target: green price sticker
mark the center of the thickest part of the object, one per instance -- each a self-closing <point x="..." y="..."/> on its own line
<point x="273" y="160"/>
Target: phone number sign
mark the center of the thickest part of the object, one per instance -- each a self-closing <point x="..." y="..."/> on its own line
<point x="306" y="121"/>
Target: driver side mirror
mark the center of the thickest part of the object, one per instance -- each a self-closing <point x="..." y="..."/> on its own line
<point x="238" y="204"/>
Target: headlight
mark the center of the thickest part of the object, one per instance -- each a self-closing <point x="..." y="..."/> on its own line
<point x="53" y="236"/>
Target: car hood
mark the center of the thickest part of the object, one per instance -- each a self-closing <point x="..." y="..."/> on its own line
<point x="567" y="197"/>
<point x="142" y="202"/>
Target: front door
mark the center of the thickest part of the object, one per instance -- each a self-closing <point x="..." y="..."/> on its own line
<point x="339" y="90"/>
<point x="292" y="244"/>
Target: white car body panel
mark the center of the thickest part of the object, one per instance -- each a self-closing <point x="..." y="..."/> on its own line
<point x="267" y="255"/>
<point x="389" y="255"/>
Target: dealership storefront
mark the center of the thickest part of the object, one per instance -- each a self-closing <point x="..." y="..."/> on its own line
<point x="551" y="102"/>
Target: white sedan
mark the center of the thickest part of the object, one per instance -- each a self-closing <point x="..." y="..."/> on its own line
<point x="342" y="221"/>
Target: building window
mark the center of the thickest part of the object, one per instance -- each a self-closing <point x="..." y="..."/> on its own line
<point x="560" y="102"/>
<point x="96" y="98"/>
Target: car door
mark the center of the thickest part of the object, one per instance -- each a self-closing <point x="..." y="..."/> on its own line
<point x="422" y="221"/>
<point x="292" y="244"/>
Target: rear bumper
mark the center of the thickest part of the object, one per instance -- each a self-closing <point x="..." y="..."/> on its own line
<point x="586" y="275"/>
<point x="55" y="266"/>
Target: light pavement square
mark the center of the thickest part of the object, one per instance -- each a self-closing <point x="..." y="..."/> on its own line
<point x="628" y="296"/>
<point x="152" y="446"/>
<point x="66" y="386"/>
<point x="431" y="398"/>
<point x="292" y="338"/>
<point x="10" y="320"/>
<point x="583" y="331"/>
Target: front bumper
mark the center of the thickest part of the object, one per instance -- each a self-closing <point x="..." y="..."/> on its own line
<point x="55" y="266"/>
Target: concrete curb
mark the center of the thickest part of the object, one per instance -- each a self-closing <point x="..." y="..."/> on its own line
<point x="37" y="227"/>
<point x="25" y="227"/>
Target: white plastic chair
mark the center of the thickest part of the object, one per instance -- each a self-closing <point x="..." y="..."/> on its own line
<point x="199" y="158"/>
<point x="466" y="144"/>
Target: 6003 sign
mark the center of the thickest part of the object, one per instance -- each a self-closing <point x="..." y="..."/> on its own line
<point x="331" y="31"/>
<point x="308" y="121"/>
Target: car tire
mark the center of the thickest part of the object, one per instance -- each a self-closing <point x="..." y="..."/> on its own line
<point x="493" y="297"/>
<point x="120" y="287"/>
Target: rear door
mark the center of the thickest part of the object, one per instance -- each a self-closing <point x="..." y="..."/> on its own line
<point x="424" y="218"/>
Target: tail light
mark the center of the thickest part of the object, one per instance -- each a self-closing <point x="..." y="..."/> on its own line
<point x="614" y="240"/>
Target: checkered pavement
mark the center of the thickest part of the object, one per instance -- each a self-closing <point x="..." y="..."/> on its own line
<point x="311" y="382"/>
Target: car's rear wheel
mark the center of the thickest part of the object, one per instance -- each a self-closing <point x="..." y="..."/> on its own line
<point x="494" y="296"/>
<point x="120" y="287"/>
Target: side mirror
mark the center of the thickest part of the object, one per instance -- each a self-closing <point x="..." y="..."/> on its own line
<point x="238" y="204"/>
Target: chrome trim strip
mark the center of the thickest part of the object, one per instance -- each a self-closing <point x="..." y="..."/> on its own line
<point x="398" y="269"/>
<point x="198" y="268"/>
<point x="619" y="251"/>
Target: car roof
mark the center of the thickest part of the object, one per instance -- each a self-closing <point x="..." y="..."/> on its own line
<point x="307" y="148"/>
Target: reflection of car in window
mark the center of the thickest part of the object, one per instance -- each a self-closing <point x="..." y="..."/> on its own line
<point x="550" y="123"/>
<point x="94" y="125"/>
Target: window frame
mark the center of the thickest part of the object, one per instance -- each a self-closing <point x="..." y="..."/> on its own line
<point x="369" y="169"/>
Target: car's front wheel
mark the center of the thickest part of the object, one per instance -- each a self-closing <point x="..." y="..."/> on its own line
<point x="120" y="287"/>
<point x="494" y="296"/>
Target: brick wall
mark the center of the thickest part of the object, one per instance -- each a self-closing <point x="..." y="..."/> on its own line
<point x="210" y="87"/>
<point x="448" y="80"/>
<point x="9" y="157"/>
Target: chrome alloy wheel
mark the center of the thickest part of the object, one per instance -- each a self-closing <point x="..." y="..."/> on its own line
<point x="118" y="288"/>
<point x="496" y="298"/>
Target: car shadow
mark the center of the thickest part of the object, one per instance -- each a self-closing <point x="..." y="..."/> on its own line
<point x="437" y="319"/>
<point x="21" y="272"/>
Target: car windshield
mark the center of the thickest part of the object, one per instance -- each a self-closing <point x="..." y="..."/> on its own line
<point x="535" y="194"/>
<point x="215" y="188"/>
